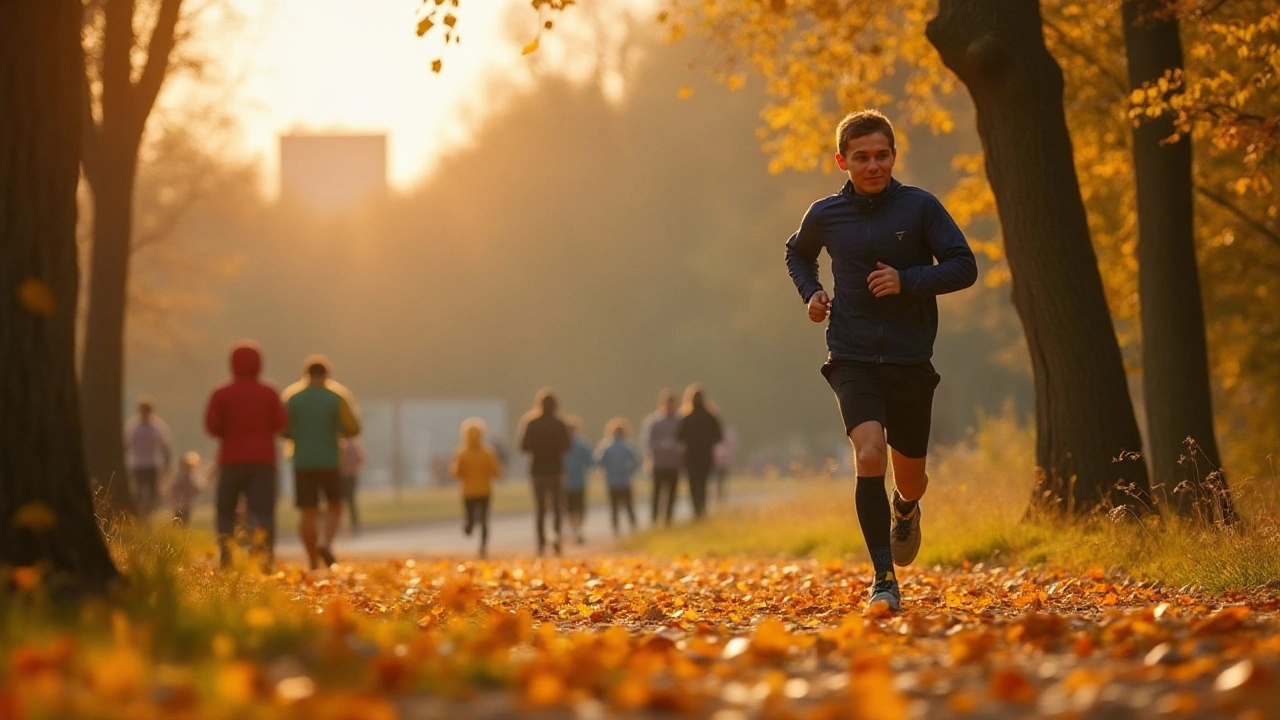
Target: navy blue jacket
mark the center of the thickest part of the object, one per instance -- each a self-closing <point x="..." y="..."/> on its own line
<point x="903" y="227"/>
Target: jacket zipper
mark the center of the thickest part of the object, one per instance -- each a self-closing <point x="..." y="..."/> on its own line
<point x="879" y="320"/>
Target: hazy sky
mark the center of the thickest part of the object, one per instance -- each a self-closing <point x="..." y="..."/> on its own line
<point x="358" y="65"/>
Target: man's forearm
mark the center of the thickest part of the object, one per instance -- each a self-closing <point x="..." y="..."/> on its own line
<point x="949" y="275"/>
<point x="804" y="273"/>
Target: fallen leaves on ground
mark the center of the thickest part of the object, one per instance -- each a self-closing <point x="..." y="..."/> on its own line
<point x="726" y="639"/>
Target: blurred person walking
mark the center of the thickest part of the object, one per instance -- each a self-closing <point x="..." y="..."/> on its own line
<point x="660" y="436"/>
<point x="700" y="431"/>
<point x="352" y="451"/>
<point x="476" y="466"/>
<point x="185" y="487"/>
<point x="545" y="438"/>
<point x="620" y="460"/>
<point x="246" y="415"/>
<point x="726" y="451"/>
<point x="320" y="413"/>
<point x="148" y="455"/>
<point x="577" y="463"/>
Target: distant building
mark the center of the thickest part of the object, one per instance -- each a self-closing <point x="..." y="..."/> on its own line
<point x="334" y="173"/>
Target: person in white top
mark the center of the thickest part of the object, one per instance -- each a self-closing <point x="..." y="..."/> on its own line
<point x="148" y="454"/>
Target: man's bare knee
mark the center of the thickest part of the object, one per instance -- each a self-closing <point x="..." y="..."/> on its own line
<point x="871" y="460"/>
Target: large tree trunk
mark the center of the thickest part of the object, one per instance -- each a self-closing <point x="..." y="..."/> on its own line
<point x="1084" y="417"/>
<point x="102" y="370"/>
<point x="42" y="470"/>
<point x="110" y="164"/>
<point x="1175" y="365"/>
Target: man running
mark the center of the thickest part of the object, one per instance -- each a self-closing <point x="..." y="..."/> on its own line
<point x="319" y="414"/>
<point x="883" y="238"/>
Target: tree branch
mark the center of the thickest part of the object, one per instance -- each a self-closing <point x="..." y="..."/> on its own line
<point x="1223" y="111"/>
<point x="158" y="50"/>
<point x="1226" y="204"/>
<point x="171" y="216"/>
<point x="117" y="66"/>
<point x="1119" y="82"/>
<point x="1206" y="11"/>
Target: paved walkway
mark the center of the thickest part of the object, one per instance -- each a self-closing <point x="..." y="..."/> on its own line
<point x="510" y="535"/>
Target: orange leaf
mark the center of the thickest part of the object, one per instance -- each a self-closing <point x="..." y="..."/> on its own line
<point x="1012" y="686"/>
<point x="971" y="646"/>
<point x="1225" y="620"/>
<point x="37" y="298"/>
<point x="545" y="689"/>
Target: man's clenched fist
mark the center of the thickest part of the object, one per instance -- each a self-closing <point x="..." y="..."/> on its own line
<point x="819" y="306"/>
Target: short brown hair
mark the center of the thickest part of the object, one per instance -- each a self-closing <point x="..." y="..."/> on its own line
<point x="860" y="123"/>
<point x="617" y="426"/>
<point x="316" y="366"/>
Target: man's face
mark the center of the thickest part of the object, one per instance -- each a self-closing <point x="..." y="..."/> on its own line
<point x="671" y="406"/>
<point x="869" y="161"/>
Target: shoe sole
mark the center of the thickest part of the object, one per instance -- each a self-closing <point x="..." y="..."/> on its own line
<point x="881" y="608"/>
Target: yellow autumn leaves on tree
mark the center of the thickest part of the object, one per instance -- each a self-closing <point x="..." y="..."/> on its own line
<point x="819" y="58"/>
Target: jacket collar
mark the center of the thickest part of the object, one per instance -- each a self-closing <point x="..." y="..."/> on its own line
<point x="867" y="203"/>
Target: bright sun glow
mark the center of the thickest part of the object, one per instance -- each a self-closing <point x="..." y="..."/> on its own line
<point x="358" y="66"/>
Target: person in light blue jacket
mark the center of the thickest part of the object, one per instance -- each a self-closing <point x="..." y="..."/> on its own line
<point x="577" y="463"/>
<point x="620" y="460"/>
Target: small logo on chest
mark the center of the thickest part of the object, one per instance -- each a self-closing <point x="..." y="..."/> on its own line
<point x="900" y="233"/>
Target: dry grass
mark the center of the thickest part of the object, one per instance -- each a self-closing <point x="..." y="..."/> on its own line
<point x="974" y="512"/>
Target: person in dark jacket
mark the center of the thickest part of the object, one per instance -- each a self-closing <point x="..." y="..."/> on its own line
<point x="699" y="433"/>
<point x="545" y="438"/>
<point x="893" y="250"/>
<point x="246" y="415"/>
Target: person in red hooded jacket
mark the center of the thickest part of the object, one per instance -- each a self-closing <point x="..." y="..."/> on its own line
<point x="246" y="415"/>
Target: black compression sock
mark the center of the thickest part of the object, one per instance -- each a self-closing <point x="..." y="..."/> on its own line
<point x="904" y="507"/>
<point x="874" y="516"/>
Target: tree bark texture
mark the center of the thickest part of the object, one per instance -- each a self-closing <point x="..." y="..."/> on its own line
<point x="102" y="371"/>
<point x="1175" y="364"/>
<point x="1086" y="432"/>
<point x="46" y="510"/>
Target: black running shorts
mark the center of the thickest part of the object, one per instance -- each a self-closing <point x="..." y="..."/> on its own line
<point x="899" y="397"/>
<point x="309" y="484"/>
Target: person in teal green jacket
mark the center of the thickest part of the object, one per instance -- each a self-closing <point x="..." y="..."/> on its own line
<point x="321" y="412"/>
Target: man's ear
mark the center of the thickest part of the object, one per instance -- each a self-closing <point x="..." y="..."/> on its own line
<point x="840" y="161"/>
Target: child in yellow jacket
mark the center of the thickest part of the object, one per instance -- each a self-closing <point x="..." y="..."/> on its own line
<point x="475" y="466"/>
